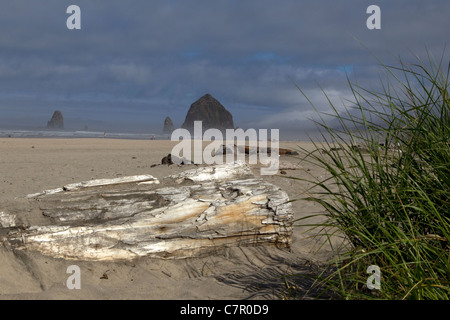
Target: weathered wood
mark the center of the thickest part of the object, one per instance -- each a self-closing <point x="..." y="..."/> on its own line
<point x="191" y="213"/>
<point x="238" y="149"/>
<point x="96" y="183"/>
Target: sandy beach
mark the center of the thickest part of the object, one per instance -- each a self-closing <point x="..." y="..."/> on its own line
<point x="31" y="165"/>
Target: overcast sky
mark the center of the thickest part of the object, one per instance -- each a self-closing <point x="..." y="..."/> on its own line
<point x="135" y="62"/>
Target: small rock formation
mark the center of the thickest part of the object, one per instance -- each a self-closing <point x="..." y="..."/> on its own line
<point x="171" y="159"/>
<point x="167" y="160"/>
<point x="168" y="126"/>
<point x="211" y="112"/>
<point x="196" y="212"/>
<point x="57" y="121"/>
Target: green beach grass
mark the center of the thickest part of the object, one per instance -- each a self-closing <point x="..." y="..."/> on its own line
<point x="388" y="189"/>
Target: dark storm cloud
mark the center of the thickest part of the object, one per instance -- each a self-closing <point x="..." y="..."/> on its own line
<point x="134" y="62"/>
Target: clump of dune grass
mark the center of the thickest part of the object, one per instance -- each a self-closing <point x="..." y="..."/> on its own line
<point x="388" y="189"/>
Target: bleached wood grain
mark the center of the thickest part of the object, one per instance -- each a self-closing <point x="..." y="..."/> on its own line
<point x="194" y="212"/>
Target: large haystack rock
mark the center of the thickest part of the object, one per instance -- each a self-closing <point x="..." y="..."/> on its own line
<point x="211" y="112"/>
<point x="168" y="126"/>
<point x="57" y="121"/>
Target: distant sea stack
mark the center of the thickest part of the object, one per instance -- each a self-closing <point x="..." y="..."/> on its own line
<point x="57" y="121"/>
<point x="211" y="112"/>
<point x="168" y="126"/>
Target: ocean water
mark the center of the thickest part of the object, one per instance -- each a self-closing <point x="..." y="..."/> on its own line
<point x="8" y="133"/>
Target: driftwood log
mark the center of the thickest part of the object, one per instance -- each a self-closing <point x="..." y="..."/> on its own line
<point x="233" y="149"/>
<point x="195" y="212"/>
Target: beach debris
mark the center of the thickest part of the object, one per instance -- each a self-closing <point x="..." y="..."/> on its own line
<point x="167" y="160"/>
<point x="171" y="159"/>
<point x="196" y="212"/>
<point x="105" y="275"/>
<point x="235" y="149"/>
<point x="226" y="149"/>
<point x="283" y="151"/>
